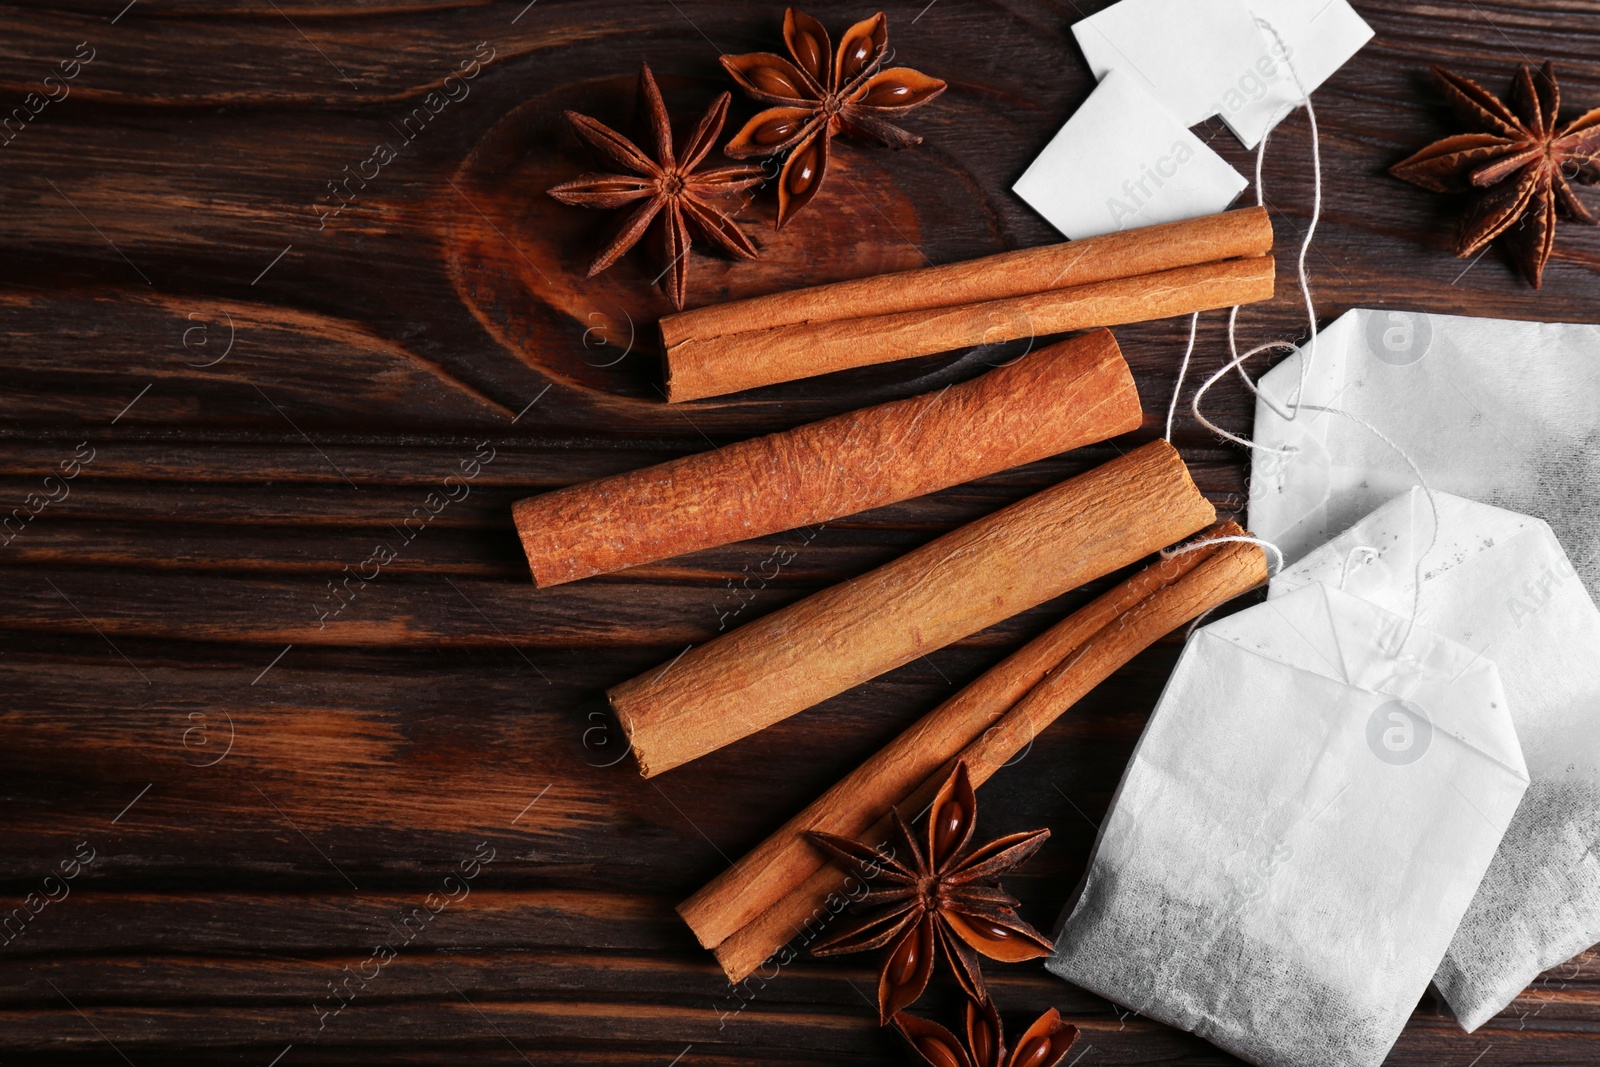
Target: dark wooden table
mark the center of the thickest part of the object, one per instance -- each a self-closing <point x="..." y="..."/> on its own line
<point x="263" y="377"/>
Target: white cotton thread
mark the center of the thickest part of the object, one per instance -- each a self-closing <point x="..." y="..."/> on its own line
<point x="1307" y="356"/>
<point x="1433" y="506"/>
<point x="1183" y="369"/>
<point x="1244" y="539"/>
<point x="1301" y="270"/>
<point x="1261" y="155"/>
<point x="1199" y="394"/>
<point x="1316" y="202"/>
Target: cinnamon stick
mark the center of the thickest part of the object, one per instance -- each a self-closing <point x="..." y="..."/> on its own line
<point x="971" y="578"/>
<point x="1053" y="400"/>
<point x="762" y="879"/>
<point x="775" y="893"/>
<point x="732" y="362"/>
<point x="1230" y="235"/>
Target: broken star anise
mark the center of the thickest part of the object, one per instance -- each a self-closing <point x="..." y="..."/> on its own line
<point x="822" y="94"/>
<point x="948" y="893"/>
<point x="676" y="198"/>
<point x="1045" y="1044"/>
<point x="1518" y="161"/>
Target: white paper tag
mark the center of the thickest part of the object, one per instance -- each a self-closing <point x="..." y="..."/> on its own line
<point x="1201" y="58"/>
<point x="1320" y="36"/>
<point x="1121" y="162"/>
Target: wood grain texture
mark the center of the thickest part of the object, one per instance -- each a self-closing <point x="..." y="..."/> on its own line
<point x="269" y="793"/>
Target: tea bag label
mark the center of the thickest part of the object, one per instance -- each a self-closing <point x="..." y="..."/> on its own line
<point x="1199" y="58"/>
<point x="1122" y="162"/>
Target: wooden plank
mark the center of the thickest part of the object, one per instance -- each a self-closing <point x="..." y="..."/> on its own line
<point x="184" y="184"/>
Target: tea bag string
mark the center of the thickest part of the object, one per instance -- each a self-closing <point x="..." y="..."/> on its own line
<point x="1308" y="353"/>
<point x="1304" y="275"/>
<point x="1273" y="566"/>
<point x="1183" y="369"/>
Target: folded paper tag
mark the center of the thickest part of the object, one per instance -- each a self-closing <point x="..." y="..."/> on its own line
<point x="1301" y="828"/>
<point x="1200" y="58"/>
<point x="1499" y="583"/>
<point x="1507" y="413"/>
<point x="1319" y="38"/>
<point x="1122" y="162"/>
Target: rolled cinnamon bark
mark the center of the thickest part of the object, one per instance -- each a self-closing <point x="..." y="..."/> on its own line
<point x="731" y="362"/>
<point x="776" y="892"/>
<point x="1230" y="235"/>
<point x="969" y="579"/>
<point x="1053" y="400"/>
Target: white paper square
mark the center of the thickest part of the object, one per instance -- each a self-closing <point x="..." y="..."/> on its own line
<point x="1209" y="57"/>
<point x="1198" y="58"/>
<point x="1121" y="162"/>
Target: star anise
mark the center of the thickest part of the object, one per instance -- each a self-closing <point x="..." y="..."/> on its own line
<point x="949" y="893"/>
<point x="1044" y="1044"/>
<point x="678" y="198"/>
<point x="822" y="94"/>
<point x="1517" y="160"/>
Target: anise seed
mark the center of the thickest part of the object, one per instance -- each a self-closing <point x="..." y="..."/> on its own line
<point x="904" y="965"/>
<point x="988" y="930"/>
<point x="938" y="1053"/>
<point x="774" y="81"/>
<point x="808" y="50"/>
<point x="775" y="132"/>
<point x="949" y="825"/>
<point x="887" y="94"/>
<point x="1033" y="1054"/>
<point x="984" y="1041"/>
<point x="804" y="171"/>
<point x="857" y="59"/>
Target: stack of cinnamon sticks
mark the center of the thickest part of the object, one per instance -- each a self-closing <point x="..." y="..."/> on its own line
<point x="1059" y="398"/>
<point x="1157" y="272"/>
<point x="767" y="899"/>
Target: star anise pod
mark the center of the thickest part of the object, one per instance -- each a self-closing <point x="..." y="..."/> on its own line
<point x="676" y="198"/>
<point x="1518" y="161"/>
<point x="822" y="94"/>
<point x="1045" y="1043"/>
<point x="948" y="893"/>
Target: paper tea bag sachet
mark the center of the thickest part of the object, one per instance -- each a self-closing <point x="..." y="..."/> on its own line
<point x="1506" y="413"/>
<point x="1302" y="826"/>
<point x="1499" y="583"/>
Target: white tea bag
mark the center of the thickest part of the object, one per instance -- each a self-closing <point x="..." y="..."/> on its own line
<point x="1499" y="583"/>
<point x="1507" y="413"/>
<point x="1121" y="162"/>
<point x="1301" y="828"/>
